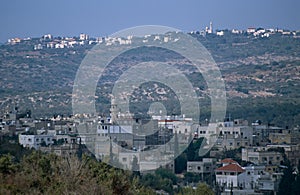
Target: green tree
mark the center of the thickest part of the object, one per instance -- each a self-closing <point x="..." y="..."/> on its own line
<point x="181" y="163"/>
<point x="163" y="179"/>
<point x="296" y="184"/>
<point x="202" y="189"/>
<point x="40" y="173"/>
<point x="7" y="165"/>
<point x="290" y="182"/>
<point x="190" y="151"/>
<point x="192" y="177"/>
<point x="166" y="174"/>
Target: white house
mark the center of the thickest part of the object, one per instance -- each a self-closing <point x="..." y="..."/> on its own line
<point x="251" y="30"/>
<point x="220" y="33"/>
<point x="227" y="175"/>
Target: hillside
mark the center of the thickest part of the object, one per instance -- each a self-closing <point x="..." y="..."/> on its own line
<point x="262" y="76"/>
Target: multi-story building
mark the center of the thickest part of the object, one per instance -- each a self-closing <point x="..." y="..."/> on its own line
<point x="35" y="141"/>
<point x="231" y="134"/>
<point x="182" y="126"/>
<point x="67" y="149"/>
<point x="294" y="155"/>
<point x="248" y="178"/>
<point x="261" y="156"/>
<point x="285" y="137"/>
<point x="204" y="168"/>
<point x="207" y="165"/>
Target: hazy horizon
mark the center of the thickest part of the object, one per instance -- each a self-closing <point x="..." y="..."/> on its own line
<point x="34" y="18"/>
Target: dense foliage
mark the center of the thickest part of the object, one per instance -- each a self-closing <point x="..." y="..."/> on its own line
<point x="39" y="173"/>
<point x="290" y="182"/>
<point x="24" y="171"/>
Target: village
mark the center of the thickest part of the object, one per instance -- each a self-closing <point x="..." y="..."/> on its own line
<point x="145" y="145"/>
<point x="48" y="41"/>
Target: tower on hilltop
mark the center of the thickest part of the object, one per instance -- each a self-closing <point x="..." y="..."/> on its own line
<point x="209" y="30"/>
<point x="113" y="111"/>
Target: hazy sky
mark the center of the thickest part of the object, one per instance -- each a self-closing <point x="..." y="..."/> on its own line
<point x="34" y="18"/>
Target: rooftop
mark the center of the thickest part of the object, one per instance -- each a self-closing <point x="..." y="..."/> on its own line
<point x="228" y="160"/>
<point x="231" y="168"/>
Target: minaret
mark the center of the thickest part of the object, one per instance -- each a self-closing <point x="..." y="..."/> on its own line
<point x="113" y="111"/>
<point x="210" y="27"/>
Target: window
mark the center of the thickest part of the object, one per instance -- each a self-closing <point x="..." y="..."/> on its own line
<point x="124" y="159"/>
<point x="277" y="158"/>
<point x="199" y="168"/>
<point x="270" y="162"/>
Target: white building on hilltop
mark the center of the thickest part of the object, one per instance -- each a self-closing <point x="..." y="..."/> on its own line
<point x="83" y="37"/>
<point x="209" y="30"/>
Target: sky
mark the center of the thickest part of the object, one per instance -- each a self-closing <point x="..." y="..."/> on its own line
<point x="34" y="18"/>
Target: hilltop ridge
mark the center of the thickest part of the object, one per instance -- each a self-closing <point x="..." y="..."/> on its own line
<point x="261" y="73"/>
